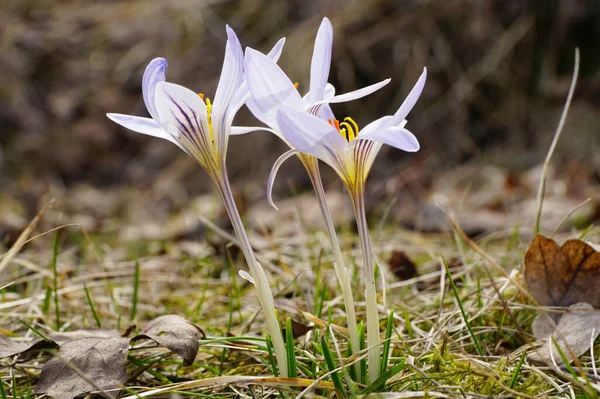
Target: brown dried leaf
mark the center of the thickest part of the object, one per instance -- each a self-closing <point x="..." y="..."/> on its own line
<point x="563" y="276"/>
<point x="573" y="334"/>
<point x="84" y="365"/>
<point x="10" y="347"/>
<point x="402" y="266"/>
<point x="64" y="337"/>
<point x="176" y="334"/>
<point x="298" y="329"/>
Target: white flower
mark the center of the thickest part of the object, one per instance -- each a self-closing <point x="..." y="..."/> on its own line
<point x="271" y="88"/>
<point x="193" y="123"/>
<point x="348" y="150"/>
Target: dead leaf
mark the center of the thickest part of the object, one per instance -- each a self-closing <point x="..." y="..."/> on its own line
<point x="64" y="337"/>
<point x="84" y="365"/>
<point x="298" y="329"/>
<point x="10" y="347"/>
<point x="573" y="334"/>
<point x="176" y="334"/>
<point x="402" y="266"/>
<point x="563" y="276"/>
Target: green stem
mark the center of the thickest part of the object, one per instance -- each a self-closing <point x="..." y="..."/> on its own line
<point x="265" y="295"/>
<point x="373" y="339"/>
<point x="312" y="167"/>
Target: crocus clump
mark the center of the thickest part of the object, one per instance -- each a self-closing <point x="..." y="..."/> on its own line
<point x="308" y="126"/>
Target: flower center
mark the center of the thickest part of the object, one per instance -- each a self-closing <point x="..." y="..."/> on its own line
<point x="348" y="128"/>
<point x="208" y="114"/>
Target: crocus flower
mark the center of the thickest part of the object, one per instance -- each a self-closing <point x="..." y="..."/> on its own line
<point x="271" y="88"/>
<point x="202" y="129"/>
<point x="351" y="152"/>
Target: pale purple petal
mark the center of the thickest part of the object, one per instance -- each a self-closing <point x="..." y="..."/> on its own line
<point x="270" y="88"/>
<point x="239" y="130"/>
<point x="312" y="136"/>
<point x="229" y="82"/>
<point x="326" y="113"/>
<point x="286" y="155"/>
<point x="321" y="61"/>
<point x="146" y="126"/>
<point x="394" y="136"/>
<point x="155" y="72"/>
<point x="329" y="92"/>
<point x="182" y="113"/>
<point x="411" y="99"/>
<point x="242" y="94"/>
<point x="275" y="52"/>
<point x="377" y="124"/>
<point x="353" y="95"/>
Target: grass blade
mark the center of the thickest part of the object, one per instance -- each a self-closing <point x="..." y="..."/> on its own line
<point x="462" y="310"/>
<point x="55" y="280"/>
<point x="136" y="287"/>
<point x="89" y="299"/>
<point x="513" y="380"/>
<point x="380" y="381"/>
<point x="335" y="377"/>
<point x="363" y="363"/>
<point x="386" y="343"/>
<point x="289" y="347"/>
<point x="272" y="356"/>
<point x="559" y="128"/>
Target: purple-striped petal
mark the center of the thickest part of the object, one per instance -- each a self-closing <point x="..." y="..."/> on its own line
<point x="155" y="72"/>
<point x="182" y="114"/>
<point x="321" y="61"/>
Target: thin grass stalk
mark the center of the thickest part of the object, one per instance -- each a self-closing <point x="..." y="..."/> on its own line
<point x="373" y="338"/>
<point x="265" y="295"/>
<point x="312" y="167"/>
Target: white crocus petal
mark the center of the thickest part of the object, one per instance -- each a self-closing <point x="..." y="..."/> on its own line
<point x="182" y="113"/>
<point x="270" y="88"/>
<point x="277" y="49"/>
<point x="394" y="136"/>
<point x="155" y="72"/>
<point x="246" y="276"/>
<point x="312" y="136"/>
<point x="321" y="61"/>
<point x="353" y="95"/>
<point x="411" y="99"/>
<point x="146" y="126"/>
<point x="242" y="95"/>
<point x="239" y="130"/>
<point x="284" y="157"/>
<point x="329" y="92"/>
<point x="229" y="82"/>
<point x="377" y="124"/>
<point x="326" y="113"/>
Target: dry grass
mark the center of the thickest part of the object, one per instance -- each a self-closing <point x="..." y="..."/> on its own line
<point x="432" y="349"/>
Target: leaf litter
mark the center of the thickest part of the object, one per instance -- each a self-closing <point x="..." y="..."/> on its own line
<point x="91" y="360"/>
<point x="564" y="276"/>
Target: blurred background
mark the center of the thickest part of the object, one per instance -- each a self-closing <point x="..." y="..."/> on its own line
<point x="499" y="72"/>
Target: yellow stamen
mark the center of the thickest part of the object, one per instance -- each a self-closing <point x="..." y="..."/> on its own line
<point x="350" y="128"/>
<point x="201" y="95"/>
<point x="296" y="85"/>
<point x="209" y="112"/>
